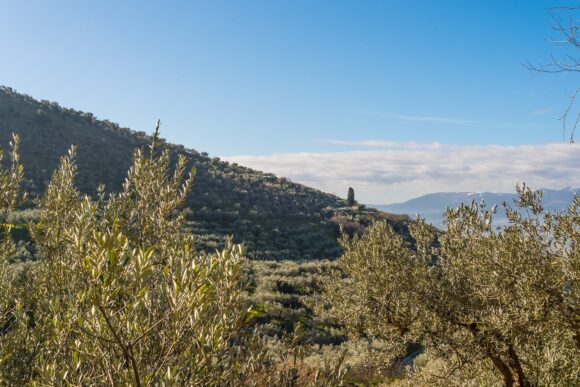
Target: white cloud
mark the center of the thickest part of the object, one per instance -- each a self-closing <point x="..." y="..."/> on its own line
<point x="384" y="144"/>
<point x="539" y="112"/>
<point x="391" y="172"/>
<point x="400" y="117"/>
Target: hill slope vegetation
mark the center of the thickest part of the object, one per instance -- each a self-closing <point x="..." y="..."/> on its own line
<point x="273" y="216"/>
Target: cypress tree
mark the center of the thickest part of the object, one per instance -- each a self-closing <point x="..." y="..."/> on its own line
<point x="350" y="197"/>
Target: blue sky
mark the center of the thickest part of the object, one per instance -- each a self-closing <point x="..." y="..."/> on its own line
<point x="241" y="79"/>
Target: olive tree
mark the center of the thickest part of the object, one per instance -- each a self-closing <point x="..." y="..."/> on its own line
<point x="488" y="305"/>
<point x="12" y="347"/>
<point x="119" y="294"/>
<point x="10" y="181"/>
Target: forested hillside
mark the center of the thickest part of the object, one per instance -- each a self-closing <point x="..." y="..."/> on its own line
<point x="273" y="216"/>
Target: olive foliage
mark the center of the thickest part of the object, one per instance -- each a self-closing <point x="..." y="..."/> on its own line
<point x="10" y="197"/>
<point x="488" y="305"/>
<point x="119" y="294"/>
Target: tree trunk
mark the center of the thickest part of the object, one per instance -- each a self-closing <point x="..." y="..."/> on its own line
<point x="511" y="368"/>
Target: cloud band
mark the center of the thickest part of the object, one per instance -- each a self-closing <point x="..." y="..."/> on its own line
<point x="391" y="172"/>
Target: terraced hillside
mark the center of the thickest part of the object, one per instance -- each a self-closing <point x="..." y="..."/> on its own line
<point x="275" y="217"/>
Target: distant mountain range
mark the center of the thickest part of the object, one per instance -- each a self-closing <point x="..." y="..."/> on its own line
<point x="432" y="206"/>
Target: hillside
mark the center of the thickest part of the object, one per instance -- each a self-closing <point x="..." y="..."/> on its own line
<point x="275" y="217"/>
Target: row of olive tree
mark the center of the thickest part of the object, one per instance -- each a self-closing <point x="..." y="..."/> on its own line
<point x="487" y="305"/>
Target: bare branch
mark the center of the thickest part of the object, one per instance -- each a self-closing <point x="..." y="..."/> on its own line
<point x="568" y="28"/>
<point x="565" y="116"/>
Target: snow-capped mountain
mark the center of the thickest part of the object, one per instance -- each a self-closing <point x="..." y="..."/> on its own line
<point x="432" y="206"/>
